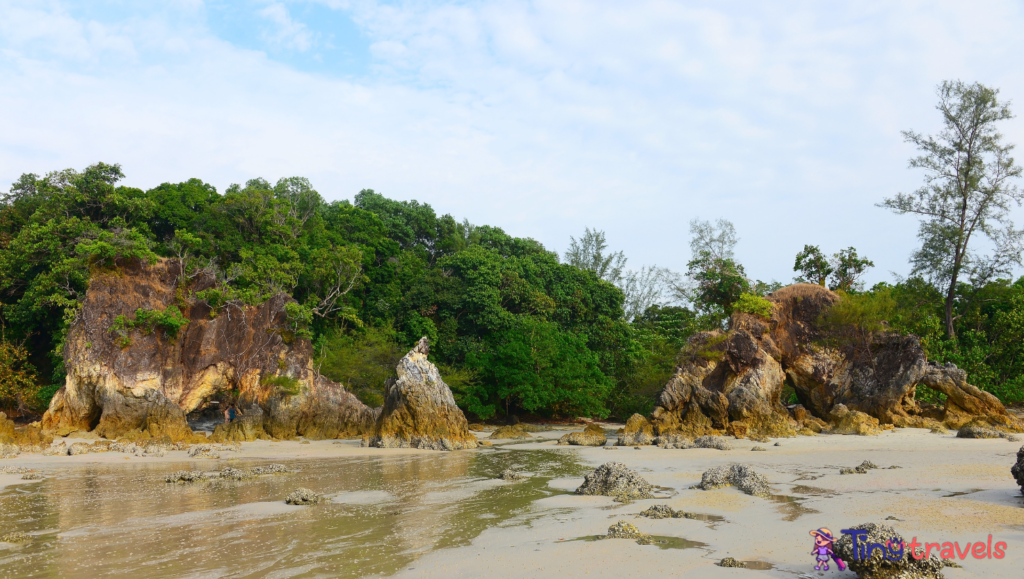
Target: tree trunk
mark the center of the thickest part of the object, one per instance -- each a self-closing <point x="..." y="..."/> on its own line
<point x="950" y="297"/>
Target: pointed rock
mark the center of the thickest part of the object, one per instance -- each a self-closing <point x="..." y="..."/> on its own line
<point x="419" y="409"/>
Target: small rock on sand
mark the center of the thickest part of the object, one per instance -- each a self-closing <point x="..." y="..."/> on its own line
<point x="1017" y="470"/>
<point x="624" y="530"/>
<point x="759" y="448"/>
<point x="511" y="475"/>
<point x="303" y="496"/>
<point x="730" y="562"/>
<point x="863" y="468"/>
<point x="186" y="476"/>
<point x="716" y="442"/>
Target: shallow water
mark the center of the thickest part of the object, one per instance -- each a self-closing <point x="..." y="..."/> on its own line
<point x="100" y="519"/>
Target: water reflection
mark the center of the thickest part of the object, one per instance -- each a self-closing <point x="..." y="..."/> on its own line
<point x="115" y="519"/>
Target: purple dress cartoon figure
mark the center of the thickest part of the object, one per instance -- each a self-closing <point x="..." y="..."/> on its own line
<point x="823" y="540"/>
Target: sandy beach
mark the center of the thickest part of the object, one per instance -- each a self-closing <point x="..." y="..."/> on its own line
<point x="945" y="489"/>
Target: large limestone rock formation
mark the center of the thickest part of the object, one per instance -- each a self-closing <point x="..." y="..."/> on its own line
<point x="419" y="409"/>
<point x="142" y="382"/>
<point x="737" y="376"/>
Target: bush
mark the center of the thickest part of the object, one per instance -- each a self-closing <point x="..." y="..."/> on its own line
<point x="19" y="386"/>
<point x="170" y="320"/>
<point x="755" y="305"/>
<point x="282" y="384"/>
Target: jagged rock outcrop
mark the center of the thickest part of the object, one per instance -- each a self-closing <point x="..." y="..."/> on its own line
<point x="732" y="381"/>
<point x="137" y="380"/>
<point x="419" y="410"/>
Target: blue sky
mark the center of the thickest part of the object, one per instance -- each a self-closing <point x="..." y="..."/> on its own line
<point x="539" y="117"/>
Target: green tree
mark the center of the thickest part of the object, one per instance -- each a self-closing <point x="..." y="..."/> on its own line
<point x="813" y="266"/>
<point x="536" y="367"/>
<point x="967" y="191"/>
<point x="847" y="268"/>
<point x="588" y="253"/>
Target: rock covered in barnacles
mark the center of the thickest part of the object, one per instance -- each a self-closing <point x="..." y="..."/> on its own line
<point x="876" y="566"/>
<point x="675" y="441"/>
<point x="715" y="442"/>
<point x="511" y="475"/>
<point x="186" y="476"/>
<point x="615" y="479"/>
<point x="624" y="530"/>
<point x="419" y="410"/>
<point x="303" y="496"/>
<point x="740" y="476"/>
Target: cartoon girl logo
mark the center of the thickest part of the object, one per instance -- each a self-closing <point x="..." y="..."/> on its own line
<point x="822" y="551"/>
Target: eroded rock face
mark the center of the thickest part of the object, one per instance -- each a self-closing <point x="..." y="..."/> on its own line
<point x="419" y="409"/>
<point x="142" y="382"/>
<point x="725" y="379"/>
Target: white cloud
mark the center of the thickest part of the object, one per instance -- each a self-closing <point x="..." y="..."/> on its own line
<point x="288" y="33"/>
<point x="540" y="117"/>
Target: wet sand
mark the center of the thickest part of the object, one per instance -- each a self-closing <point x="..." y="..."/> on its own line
<point x="410" y="513"/>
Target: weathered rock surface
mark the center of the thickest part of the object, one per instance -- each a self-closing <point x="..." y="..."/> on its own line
<point x="592" y="435"/>
<point x="732" y="381"/>
<point x="140" y="383"/>
<point x="419" y="409"/>
<point x="638" y="431"/>
<point x="614" y="479"/>
<point x="740" y="476"/>
<point x="730" y="562"/>
<point x="1017" y="470"/>
<point x="877" y="566"/>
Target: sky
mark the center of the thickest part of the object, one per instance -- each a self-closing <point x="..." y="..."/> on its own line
<point x="542" y="118"/>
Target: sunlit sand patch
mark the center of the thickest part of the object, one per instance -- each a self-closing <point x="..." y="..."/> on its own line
<point x="947" y="514"/>
<point x="726" y="499"/>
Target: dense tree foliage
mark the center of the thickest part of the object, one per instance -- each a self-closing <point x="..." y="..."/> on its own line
<point x="514" y="329"/>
